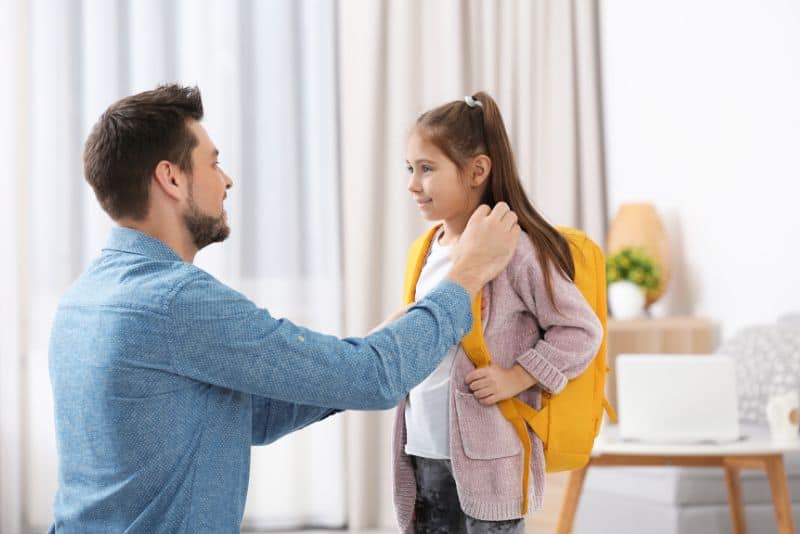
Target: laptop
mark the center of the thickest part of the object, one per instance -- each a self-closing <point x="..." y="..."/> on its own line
<point x="677" y="398"/>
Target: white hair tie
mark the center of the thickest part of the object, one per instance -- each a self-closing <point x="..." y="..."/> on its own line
<point x="472" y="102"/>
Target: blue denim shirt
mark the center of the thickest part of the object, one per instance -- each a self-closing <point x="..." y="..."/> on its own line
<point x="163" y="377"/>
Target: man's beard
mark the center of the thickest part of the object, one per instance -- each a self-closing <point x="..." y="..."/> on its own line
<point x="203" y="228"/>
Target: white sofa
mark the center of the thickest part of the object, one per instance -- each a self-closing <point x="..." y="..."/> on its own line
<point x="681" y="500"/>
<point x="677" y="500"/>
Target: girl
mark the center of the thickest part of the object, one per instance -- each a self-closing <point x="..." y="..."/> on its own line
<point x="458" y="461"/>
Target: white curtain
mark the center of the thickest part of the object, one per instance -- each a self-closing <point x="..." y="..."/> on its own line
<point x="539" y="61"/>
<point x="13" y="142"/>
<point x="268" y="76"/>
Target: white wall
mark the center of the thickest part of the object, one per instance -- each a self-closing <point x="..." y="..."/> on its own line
<point x="702" y="117"/>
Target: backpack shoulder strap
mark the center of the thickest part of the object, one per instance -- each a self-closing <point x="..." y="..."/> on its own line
<point x="473" y="343"/>
<point x="415" y="261"/>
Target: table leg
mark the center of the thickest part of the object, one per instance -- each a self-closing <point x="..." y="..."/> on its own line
<point x="780" y="494"/>
<point x="735" y="504"/>
<point x="570" y="503"/>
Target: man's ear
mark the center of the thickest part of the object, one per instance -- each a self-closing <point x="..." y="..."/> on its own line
<point x="171" y="181"/>
<point x="480" y="169"/>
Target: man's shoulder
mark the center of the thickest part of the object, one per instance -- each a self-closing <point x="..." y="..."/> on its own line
<point x="198" y="292"/>
<point x="176" y="288"/>
<point x="117" y="279"/>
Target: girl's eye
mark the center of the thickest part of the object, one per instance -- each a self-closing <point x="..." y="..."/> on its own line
<point x="426" y="168"/>
<point x="410" y="169"/>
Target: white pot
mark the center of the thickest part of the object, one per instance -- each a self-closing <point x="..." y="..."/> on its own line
<point x="783" y="416"/>
<point x="626" y="300"/>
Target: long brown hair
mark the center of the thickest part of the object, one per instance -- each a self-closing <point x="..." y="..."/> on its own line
<point x="462" y="131"/>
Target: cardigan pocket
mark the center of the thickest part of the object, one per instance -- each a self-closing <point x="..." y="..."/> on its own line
<point x="485" y="433"/>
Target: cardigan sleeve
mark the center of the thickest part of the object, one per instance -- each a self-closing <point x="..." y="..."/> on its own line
<point x="572" y="333"/>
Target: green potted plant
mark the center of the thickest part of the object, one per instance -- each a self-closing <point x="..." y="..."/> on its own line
<point x="630" y="275"/>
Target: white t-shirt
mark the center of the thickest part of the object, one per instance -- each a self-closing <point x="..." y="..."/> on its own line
<point x="428" y="406"/>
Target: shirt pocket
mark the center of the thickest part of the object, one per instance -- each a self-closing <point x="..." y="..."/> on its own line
<point x="485" y="433"/>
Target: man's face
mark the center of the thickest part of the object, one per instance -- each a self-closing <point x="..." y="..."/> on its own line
<point x="205" y="216"/>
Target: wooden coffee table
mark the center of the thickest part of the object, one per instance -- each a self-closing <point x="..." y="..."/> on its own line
<point x="755" y="451"/>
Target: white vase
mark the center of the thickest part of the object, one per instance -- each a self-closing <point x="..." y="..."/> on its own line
<point x="626" y="300"/>
<point x="783" y="416"/>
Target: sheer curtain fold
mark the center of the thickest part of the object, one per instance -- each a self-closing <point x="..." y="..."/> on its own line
<point x="14" y="147"/>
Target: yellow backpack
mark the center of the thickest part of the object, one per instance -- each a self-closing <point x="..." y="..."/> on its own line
<point x="568" y="422"/>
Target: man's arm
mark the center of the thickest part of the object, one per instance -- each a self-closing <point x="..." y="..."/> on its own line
<point x="220" y="337"/>
<point x="273" y="419"/>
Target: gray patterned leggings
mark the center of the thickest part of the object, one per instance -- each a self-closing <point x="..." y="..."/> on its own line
<point x="437" y="510"/>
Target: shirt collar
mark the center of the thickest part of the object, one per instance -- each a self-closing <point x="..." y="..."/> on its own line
<point x="136" y="242"/>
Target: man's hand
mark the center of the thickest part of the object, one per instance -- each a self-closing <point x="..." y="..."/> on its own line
<point x="392" y="318"/>
<point x="485" y="247"/>
<point x="492" y="384"/>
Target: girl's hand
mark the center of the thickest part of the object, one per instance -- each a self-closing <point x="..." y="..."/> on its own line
<point x="492" y="384"/>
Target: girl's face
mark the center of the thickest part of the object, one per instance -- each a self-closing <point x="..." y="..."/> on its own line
<point x="435" y="183"/>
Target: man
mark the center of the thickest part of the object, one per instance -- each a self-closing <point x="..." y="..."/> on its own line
<point x="163" y="377"/>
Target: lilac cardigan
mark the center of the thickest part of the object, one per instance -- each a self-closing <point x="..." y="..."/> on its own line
<point x="521" y="326"/>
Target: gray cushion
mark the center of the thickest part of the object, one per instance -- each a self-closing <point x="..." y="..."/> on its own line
<point x="767" y="363"/>
<point x="790" y="320"/>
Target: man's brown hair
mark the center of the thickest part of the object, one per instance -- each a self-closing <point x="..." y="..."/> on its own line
<point x="131" y="138"/>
